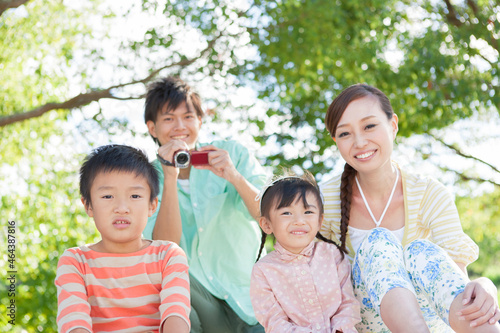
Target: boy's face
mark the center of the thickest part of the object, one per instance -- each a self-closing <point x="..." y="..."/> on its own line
<point x="294" y="226"/>
<point x="180" y="124"/>
<point x="120" y="205"/>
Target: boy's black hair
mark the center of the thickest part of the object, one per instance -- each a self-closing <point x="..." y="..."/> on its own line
<point x="170" y="91"/>
<point x="117" y="158"/>
<point x="283" y="192"/>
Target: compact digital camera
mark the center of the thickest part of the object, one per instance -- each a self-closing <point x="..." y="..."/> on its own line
<point x="183" y="158"/>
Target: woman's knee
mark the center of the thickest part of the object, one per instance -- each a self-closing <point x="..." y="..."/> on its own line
<point x="379" y="239"/>
<point x="422" y="253"/>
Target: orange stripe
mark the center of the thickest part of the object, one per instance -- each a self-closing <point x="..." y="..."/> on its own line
<point x="177" y="309"/>
<point x="109" y="272"/>
<point x="78" y="307"/>
<point x="68" y="326"/>
<point x="178" y="282"/>
<point x="126" y="323"/>
<point x="113" y="312"/>
<point x="120" y="293"/>
<point x="152" y="249"/>
<point x="68" y="278"/>
<point x="65" y="295"/>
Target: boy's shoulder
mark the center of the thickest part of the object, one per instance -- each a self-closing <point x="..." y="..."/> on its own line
<point x="157" y="247"/>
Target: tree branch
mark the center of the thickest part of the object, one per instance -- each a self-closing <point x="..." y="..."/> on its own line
<point x="473" y="6"/>
<point x="452" y="14"/>
<point x="95" y="95"/>
<point x="476" y="179"/>
<point x="461" y="153"/>
<point x="6" y="4"/>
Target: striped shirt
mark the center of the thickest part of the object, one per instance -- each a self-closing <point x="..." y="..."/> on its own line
<point x="132" y="292"/>
<point x="430" y="213"/>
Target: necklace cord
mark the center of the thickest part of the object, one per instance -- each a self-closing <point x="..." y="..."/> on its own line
<point x="377" y="223"/>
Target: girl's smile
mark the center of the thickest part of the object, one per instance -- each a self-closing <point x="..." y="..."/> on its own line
<point x="294" y="226"/>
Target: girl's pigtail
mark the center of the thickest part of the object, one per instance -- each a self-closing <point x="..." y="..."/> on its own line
<point x="324" y="239"/>
<point x="345" y="203"/>
<point x="262" y="243"/>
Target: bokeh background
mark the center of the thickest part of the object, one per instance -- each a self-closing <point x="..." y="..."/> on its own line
<point x="73" y="76"/>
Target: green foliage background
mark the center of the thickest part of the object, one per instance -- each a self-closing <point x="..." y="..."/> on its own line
<point x="438" y="64"/>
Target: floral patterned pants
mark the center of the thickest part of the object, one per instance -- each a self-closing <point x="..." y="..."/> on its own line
<point x="422" y="267"/>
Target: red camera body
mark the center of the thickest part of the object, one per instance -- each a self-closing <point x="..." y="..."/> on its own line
<point x="199" y="157"/>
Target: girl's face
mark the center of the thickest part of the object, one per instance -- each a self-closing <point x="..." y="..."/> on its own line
<point x="365" y="136"/>
<point x="294" y="226"/>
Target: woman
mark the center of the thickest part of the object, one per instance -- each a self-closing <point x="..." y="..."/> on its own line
<point x="402" y="232"/>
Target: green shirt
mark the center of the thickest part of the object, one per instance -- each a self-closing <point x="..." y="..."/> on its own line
<point x="219" y="236"/>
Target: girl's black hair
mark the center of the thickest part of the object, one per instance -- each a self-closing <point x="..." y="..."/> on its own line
<point x="283" y="192"/>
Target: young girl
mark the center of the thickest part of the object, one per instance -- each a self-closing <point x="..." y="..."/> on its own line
<point x="302" y="286"/>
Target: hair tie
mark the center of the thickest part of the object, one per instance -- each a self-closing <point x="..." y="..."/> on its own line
<point x="270" y="183"/>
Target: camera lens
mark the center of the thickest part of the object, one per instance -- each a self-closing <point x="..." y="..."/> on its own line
<point x="182" y="159"/>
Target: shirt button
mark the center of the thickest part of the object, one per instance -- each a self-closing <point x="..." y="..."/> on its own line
<point x="195" y="205"/>
<point x="210" y="278"/>
<point x="200" y="229"/>
<point x="303" y="272"/>
<point x="226" y="296"/>
<point x="311" y="301"/>
<point x="199" y="253"/>
<point x="318" y="326"/>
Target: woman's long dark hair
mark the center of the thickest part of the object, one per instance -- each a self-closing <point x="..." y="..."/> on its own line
<point x="335" y="112"/>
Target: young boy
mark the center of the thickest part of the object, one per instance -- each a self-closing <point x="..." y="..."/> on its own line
<point x="123" y="282"/>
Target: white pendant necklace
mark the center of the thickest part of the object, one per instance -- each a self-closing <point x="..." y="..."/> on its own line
<point x="377" y="223"/>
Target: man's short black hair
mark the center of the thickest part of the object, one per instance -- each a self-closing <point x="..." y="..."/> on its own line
<point x="117" y="158"/>
<point x="170" y="92"/>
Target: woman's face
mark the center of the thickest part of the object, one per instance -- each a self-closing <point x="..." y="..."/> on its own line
<point x="365" y="136"/>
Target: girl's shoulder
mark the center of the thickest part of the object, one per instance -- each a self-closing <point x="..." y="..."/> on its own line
<point x="328" y="249"/>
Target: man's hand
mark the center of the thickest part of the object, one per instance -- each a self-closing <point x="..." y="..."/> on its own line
<point x="220" y="163"/>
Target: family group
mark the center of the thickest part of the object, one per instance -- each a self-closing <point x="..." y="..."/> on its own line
<point x="183" y="242"/>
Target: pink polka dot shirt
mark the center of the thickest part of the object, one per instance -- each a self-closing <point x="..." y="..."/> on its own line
<point x="306" y="292"/>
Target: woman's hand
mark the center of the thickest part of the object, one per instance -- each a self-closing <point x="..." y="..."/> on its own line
<point x="480" y="303"/>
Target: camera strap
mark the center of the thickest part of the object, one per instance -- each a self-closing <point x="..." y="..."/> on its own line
<point x="164" y="161"/>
